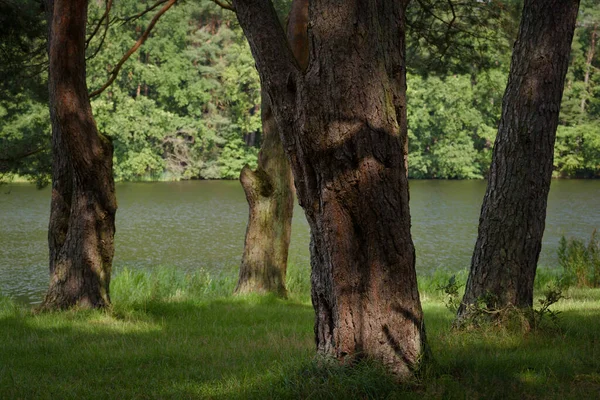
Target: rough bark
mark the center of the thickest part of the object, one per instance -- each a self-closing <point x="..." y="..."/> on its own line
<point x="269" y="188"/>
<point x="513" y="214"/>
<point x="342" y="124"/>
<point x="83" y="205"/>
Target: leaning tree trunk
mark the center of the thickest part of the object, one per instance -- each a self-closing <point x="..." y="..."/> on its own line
<point x="514" y="207"/>
<point x="269" y="189"/>
<point x="83" y="205"/>
<point x="342" y="127"/>
<point x="271" y="201"/>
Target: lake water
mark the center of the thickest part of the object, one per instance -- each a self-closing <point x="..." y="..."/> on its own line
<point x="201" y="224"/>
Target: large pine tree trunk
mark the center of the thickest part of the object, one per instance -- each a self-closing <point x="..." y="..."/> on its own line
<point x="271" y="202"/>
<point x="342" y="123"/>
<point x="81" y="229"/>
<point x="513" y="214"/>
<point x="269" y="189"/>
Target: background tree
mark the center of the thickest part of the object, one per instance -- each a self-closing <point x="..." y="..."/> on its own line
<point x="24" y="117"/>
<point x="343" y="127"/>
<point x="270" y="197"/>
<point x="458" y="58"/>
<point x="269" y="188"/>
<point x="513" y="214"/>
<point x="577" y="150"/>
<point x="187" y="104"/>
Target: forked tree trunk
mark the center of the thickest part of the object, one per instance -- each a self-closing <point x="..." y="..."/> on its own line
<point x="271" y="201"/>
<point x="81" y="229"/>
<point x="342" y="124"/>
<point x="269" y="188"/>
<point x="513" y="214"/>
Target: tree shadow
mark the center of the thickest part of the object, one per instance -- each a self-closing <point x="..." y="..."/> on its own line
<point x="262" y="347"/>
<point x="490" y="363"/>
<point x="156" y="350"/>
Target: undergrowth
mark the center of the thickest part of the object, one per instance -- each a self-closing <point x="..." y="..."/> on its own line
<point x="580" y="261"/>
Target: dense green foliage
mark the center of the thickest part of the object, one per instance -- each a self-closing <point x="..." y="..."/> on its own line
<point x="24" y="115"/>
<point x="172" y="335"/>
<point x="187" y="104"/>
<point x="577" y="151"/>
<point x="452" y="124"/>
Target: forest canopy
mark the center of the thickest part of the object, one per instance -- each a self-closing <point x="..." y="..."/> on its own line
<point x="186" y="105"/>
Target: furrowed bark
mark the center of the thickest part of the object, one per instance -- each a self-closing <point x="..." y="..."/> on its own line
<point x="343" y="125"/>
<point x="83" y="205"/>
<point x="513" y="214"/>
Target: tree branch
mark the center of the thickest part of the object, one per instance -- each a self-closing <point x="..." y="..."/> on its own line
<point x="133" y="49"/>
<point x="22" y="156"/>
<point x="108" y="4"/>
<point x="225" y="5"/>
<point x="141" y="14"/>
<point x="106" y="15"/>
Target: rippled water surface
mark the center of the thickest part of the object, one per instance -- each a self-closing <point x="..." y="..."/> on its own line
<point x="201" y="224"/>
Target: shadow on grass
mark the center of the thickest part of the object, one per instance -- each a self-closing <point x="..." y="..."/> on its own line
<point x="153" y="350"/>
<point x="491" y="363"/>
<point x="261" y="347"/>
<point x="558" y="361"/>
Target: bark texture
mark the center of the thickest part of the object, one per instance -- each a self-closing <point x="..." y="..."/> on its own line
<point x="269" y="189"/>
<point x="343" y="127"/>
<point x="81" y="229"/>
<point x="513" y="214"/>
<point x="271" y="202"/>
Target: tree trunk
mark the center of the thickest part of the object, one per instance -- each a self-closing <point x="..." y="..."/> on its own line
<point x="513" y="214"/>
<point x="269" y="188"/>
<point x="588" y="67"/>
<point x="342" y="124"/>
<point x="83" y="205"/>
<point x="271" y="201"/>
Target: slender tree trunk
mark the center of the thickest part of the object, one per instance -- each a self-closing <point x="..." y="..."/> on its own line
<point x="513" y="214"/>
<point x="271" y="201"/>
<point x="342" y="124"/>
<point x="588" y="67"/>
<point x="269" y="188"/>
<point x="83" y="205"/>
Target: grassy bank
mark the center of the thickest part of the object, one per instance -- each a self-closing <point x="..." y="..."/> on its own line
<point x="175" y="336"/>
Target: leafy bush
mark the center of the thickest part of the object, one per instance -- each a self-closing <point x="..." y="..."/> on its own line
<point x="451" y="294"/>
<point x="580" y="262"/>
<point x="485" y="312"/>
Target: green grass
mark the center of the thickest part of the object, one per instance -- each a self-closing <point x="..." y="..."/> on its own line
<point x="171" y="335"/>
